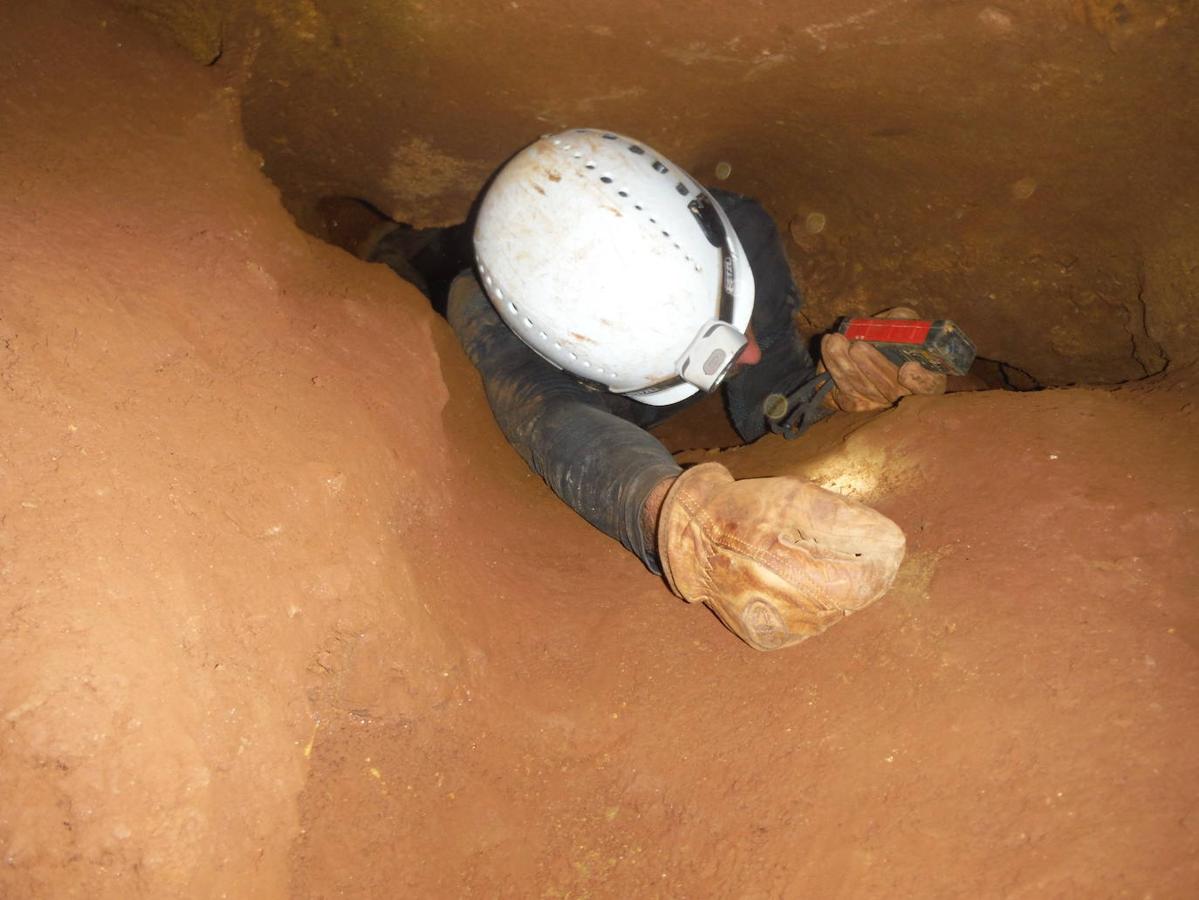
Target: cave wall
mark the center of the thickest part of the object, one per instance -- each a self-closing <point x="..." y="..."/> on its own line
<point x="206" y="479"/>
<point x="1027" y="169"/>
<point x="283" y="615"/>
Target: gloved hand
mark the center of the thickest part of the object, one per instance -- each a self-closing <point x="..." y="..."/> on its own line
<point x="778" y="559"/>
<point x="866" y="380"/>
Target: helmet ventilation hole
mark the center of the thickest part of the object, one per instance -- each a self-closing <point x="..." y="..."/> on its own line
<point x="653" y="199"/>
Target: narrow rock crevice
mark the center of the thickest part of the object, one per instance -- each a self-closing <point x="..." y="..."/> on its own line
<point x="1161" y="362"/>
<point x="997" y="373"/>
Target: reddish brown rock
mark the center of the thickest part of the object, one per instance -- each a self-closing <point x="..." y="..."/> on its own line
<point x="282" y="614"/>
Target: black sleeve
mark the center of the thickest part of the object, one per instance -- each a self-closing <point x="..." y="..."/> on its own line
<point x="603" y="466"/>
<point x="786" y="362"/>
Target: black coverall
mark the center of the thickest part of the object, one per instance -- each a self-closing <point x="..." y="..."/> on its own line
<point x="590" y="445"/>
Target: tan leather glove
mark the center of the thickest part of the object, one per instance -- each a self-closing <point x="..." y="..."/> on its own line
<point x="866" y="380"/>
<point x="778" y="559"/>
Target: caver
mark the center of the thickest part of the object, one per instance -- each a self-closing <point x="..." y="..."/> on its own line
<point x="609" y="290"/>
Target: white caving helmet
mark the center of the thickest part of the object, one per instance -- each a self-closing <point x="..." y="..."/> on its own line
<point x="616" y="265"/>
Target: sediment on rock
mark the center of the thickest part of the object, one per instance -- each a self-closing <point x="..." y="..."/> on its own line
<point x="283" y="615"/>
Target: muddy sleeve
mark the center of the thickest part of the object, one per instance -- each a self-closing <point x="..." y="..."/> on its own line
<point x="602" y="465"/>
<point x="786" y="363"/>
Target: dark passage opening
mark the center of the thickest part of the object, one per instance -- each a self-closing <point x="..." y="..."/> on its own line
<point x="428" y="258"/>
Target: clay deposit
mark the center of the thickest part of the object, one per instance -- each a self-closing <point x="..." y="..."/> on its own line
<point x="283" y="615"/>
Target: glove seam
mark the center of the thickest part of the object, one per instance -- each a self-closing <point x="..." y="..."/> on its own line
<point x="770" y="561"/>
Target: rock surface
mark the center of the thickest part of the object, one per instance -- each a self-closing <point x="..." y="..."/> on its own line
<point x="283" y="615"/>
<point x="1028" y="170"/>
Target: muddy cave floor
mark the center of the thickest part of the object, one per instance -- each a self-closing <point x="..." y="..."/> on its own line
<point x="283" y="615"/>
